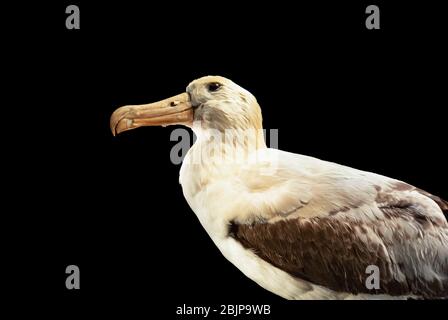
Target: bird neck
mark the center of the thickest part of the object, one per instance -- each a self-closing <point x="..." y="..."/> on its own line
<point x="215" y="157"/>
<point x="226" y="147"/>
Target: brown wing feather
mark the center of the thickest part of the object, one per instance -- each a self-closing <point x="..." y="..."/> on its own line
<point x="334" y="252"/>
<point x="443" y="204"/>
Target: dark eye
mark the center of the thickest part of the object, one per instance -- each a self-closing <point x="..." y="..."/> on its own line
<point x="214" y="86"/>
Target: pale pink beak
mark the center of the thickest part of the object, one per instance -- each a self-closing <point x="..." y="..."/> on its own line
<point x="174" y="110"/>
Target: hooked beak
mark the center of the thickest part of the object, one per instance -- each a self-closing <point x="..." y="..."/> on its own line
<point x="174" y="110"/>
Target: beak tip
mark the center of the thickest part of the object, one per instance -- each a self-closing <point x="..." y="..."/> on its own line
<point x="112" y="129"/>
<point x="114" y="122"/>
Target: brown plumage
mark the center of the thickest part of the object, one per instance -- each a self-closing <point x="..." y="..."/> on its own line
<point x="334" y="252"/>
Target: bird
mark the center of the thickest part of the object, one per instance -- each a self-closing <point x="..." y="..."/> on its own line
<point x="301" y="227"/>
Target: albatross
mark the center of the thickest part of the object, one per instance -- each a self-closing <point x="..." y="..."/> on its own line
<point x="300" y="227"/>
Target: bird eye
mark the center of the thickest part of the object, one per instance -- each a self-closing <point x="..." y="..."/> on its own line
<point x="214" y="86"/>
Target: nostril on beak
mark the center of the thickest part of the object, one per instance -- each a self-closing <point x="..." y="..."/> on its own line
<point x="174" y="103"/>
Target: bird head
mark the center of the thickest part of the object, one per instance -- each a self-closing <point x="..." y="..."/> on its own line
<point x="210" y="102"/>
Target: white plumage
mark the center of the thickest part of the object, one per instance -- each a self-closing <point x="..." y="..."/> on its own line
<point x="300" y="227"/>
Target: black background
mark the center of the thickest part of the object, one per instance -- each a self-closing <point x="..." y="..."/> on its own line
<point x="372" y="100"/>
